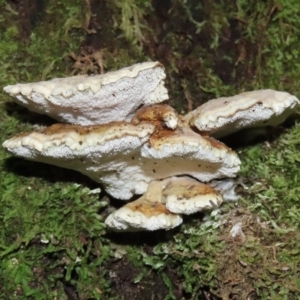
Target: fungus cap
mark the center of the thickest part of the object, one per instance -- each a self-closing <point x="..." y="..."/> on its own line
<point x="99" y="99"/>
<point x="143" y="214"/>
<point x="125" y="157"/>
<point x="184" y="195"/>
<point x="102" y="152"/>
<point x="160" y="113"/>
<point x="80" y="138"/>
<point x="184" y="152"/>
<point x="223" y="116"/>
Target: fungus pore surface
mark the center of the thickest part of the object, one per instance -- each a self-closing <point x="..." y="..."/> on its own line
<point x="99" y="99"/>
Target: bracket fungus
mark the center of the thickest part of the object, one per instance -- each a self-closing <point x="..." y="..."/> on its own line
<point x="184" y="195"/>
<point x="98" y="99"/>
<point x="146" y="213"/>
<point x="125" y="157"/>
<point x="223" y="116"/>
<point x="123" y="137"/>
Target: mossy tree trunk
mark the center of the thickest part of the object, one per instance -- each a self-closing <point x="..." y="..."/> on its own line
<point x="53" y="240"/>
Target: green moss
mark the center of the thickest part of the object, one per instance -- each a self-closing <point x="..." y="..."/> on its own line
<point x="51" y="232"/>
<point x="130" y="16"/>
<point x="53" y="237"/>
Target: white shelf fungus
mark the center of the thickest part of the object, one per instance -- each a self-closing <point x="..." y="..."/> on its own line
<point x="99" y="99"/>
<point x="132" y="145"/>
<point x="143" y="214"/>
<point x="126" y="157"/>
<point x="184" y="195"/>
<point x="220" y="117"/>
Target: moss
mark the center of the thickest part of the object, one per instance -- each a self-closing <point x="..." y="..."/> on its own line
<point x="265" y="264"/>
<point x="53" y="240"/>
<point x="51" y="232"/>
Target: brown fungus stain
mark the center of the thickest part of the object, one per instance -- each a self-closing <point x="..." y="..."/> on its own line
<point x="188" y="189"/>
<point x="153" y="113"/>
<point x="148" y="208"/>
